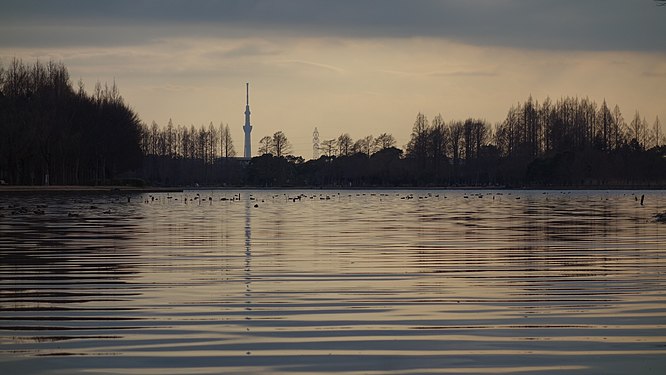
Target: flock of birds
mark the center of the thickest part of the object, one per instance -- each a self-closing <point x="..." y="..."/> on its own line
<point x="196" y="198"/>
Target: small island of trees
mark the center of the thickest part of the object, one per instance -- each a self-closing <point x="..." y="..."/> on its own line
<point x="53" y="133"/>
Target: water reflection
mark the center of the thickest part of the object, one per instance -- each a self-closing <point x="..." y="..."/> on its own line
<point x="358" y="281"/>
<point x="248" y="263"/>
<point x="66" y="278"/>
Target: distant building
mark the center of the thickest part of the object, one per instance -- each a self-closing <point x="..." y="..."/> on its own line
<point x="247" y="128"/>
<point x="315" y="144"/>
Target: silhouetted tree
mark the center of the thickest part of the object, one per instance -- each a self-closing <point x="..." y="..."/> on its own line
<point x="328" y="147"/>
<point x="417" y="148"/>
<point x="344" y="144"/>
<point x="226" y="142"/>
<point x="364" y="145"/>
<point x="383" y="141"/>
<point x="438" y="139"/>
<point x="53" y="134"/>
<point x="618" y="130"/>
<point x="281" y="145"/>
<point x="456" y="137"/>
<point x="656" y="128"/>
<point x="265" y="145"/>
<point x="638" y="129"/>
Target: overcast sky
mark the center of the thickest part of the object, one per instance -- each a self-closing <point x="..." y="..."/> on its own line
<point x="361" y="67"/>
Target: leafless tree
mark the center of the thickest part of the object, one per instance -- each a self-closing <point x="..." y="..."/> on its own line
<point x="344" y="144"/>
<point x="637" y="128"/>
<point x="417" y="147"/>
<point x="384" y="141"/>
<point x="265" y="145"/>
<point x="657" y="132"/>
<point x="456" y="133"/>
<point x="226" y="142"/>
<point x="365" y="145"/>
<point x="328" y="147"/>
<point x="281" y="145"/>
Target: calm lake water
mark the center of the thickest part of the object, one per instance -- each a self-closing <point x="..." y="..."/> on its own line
<point x="373" y="282"/>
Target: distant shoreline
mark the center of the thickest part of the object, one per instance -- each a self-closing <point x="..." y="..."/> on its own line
<point x="85" y="189"/>
<point x="153" y="189"/>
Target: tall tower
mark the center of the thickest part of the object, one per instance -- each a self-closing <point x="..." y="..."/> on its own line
<point x="247" y="128"/>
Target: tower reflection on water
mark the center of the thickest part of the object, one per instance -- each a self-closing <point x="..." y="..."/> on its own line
<point x="248" y="260"/>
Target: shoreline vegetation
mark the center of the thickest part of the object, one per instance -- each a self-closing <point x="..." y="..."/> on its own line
<point x="86" y="189"/>
<point x="52" y="134"/>
<point x="9" y="189"/>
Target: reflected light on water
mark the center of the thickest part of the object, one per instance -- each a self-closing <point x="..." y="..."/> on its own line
<point x="440" y="281"/>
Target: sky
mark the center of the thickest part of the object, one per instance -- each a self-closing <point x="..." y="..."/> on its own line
<point x="362" y="67"/>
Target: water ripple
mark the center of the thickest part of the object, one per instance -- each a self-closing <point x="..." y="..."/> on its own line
<point x="391" y="282"/>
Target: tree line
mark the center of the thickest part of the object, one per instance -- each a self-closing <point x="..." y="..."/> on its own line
<point x="52" y="133"/>
<point x="182" y="155"/>
<point x="570" y="142"/>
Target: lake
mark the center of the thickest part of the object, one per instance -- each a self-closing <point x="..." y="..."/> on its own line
<point x="328" y="281"/>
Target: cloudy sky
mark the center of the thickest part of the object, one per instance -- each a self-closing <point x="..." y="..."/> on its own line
<point x="361" y="67"/>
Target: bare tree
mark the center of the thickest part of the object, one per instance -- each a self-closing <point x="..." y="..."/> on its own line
<point x="637" y="127"/>
<point x="344" y="144"/>
<point x="456" y="132"/>
<point x="213" y="142"/>
<point x="328" y="147"/>
<point x="226" y="142"/>
<point x="417" y="147"/>
<point x="169" y="139"/>
<point x="437" y="140"/>
<point x="656" y="129"/>
<point x="265" y="145"/>
<point x="281" y="144"/>
<point x="618" y="129"/>
<point x="384" y="140"/>
<point x="365" y="145"/>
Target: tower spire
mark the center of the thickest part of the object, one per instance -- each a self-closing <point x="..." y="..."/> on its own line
<point x="247" y="128"/>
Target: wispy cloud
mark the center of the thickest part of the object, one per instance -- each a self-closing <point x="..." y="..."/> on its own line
<point x="312" y="64"/>
<point x="655" y="70"/>
<point x="245" y="49"/>
<point x="460" y="72"/>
